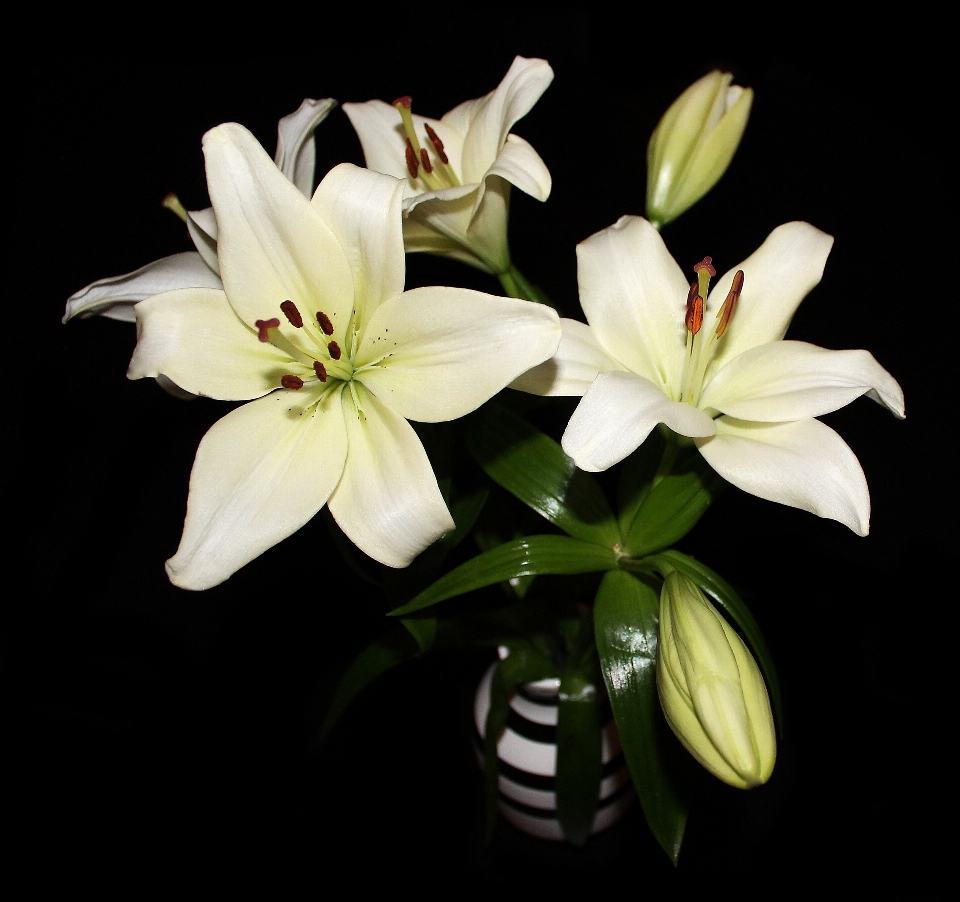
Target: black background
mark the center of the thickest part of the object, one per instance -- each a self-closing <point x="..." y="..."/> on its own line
<point x="156" y="732"/>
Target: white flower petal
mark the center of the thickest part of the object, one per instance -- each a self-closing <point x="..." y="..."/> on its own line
<point x="522" y="166"/>
<point x="776" y="278"/>
<point x="202" y="227"/>
<point x="793" y="380"/>
<point x="260" y="474"/>
<point x="803" y="464"/>
<point x="362" y="208"/>
<point x="114" y="297"/>
<point x="579" y="359"/>
<point x="273" y="245"/>
<point x="617" y="413"/>
<point x="634" y="295"/>
<point x="195" y="339"/>
<point x="445" y="351"/>
<point x="296" y="151"/>
<point x="387" y="502"/>
<point x="486" y="121"/>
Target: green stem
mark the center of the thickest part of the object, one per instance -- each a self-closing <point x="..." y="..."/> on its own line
<point x="517" y="285"/>
<point x="667" y="460"/>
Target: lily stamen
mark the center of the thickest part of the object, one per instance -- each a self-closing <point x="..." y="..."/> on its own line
<point x="725" y="313"/>
<point x="434" y="174"/>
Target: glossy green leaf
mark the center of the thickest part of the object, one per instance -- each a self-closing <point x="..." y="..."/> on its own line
<point x="378" y="657"/>
<point x="423" y="629"/>
<point x="626" y="617"/>
<point x="579" y="762"/>
<point x="727" y="598"/>
<point x="534" y="468"/>
<point x="636" y="477"/>
<point x="673" y="506"/>
<point x="523" y="665"/>
<point x="532" y="555"/>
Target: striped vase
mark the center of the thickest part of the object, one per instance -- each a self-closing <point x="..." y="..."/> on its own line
<point x="527" y="754"/>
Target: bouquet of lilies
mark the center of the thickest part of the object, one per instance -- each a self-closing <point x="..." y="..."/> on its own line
<point x="418" y="421"/>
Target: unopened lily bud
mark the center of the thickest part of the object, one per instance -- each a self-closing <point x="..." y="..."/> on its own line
<point x="711" y="689"/>
<point x="694" y="143"/>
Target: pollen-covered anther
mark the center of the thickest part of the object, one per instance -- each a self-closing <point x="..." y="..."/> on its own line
<point x="412" y="165"/>
<point x="707" y="264"/>
<point x="436" y="142"/>
<point x="725" y="313"/>
<point x="294" y="382"/>
<point x="425" y="161"/>
<point x="320" y="370"/>
<point x="264" y="326"/>
<point x="694" y="316"/>
<point x="325" y="323"/>
<point x="292" y="314"/>
<point x="334" y="350"/>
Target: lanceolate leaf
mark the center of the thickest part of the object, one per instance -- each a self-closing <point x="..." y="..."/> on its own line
<point x="534" y="468"/>
<point x="726" y="596"/>
<point x="531" y="555"/>
<point x="673" y="507"/>
<point x="578" y="756"/>
<point x="626" y="616"/>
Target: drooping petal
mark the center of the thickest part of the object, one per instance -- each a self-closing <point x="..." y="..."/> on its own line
<point x="362" y="208"/>
<point x="202" y="227"/>
<point x="296" y="150"/>
<point x="114" y="297"/>
<point x="776" y="278"/>
<point x="440" y="353"/>
<point x="617" y="413"/>
<point x="387" y="502"/>
<point x="578" y="360"/>
<point x="793" y="380"/>
<point x="802" y="464"/>
<point x="486" y="121"/>
<point x="260" y="474"/>
<point x="195" y="339"/>
<point x="450" y="212"/>
<point x="522" y="166"/>
<point x="633" y="294"/>
<point x="273" y="246"/>
<point x="419" y="238"/>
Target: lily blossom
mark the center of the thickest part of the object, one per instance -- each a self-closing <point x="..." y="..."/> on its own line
<point x="711" y="365"/>
<point x="457" y="170"/>
<point x="115" y="296"/>
<point x="313" y="327"/>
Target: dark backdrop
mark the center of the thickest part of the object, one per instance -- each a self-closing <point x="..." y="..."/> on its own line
<point x="155" y="730"/>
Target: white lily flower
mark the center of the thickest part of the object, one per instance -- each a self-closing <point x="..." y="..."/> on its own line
<point x="457" y="170"/>
<point x="711" y="689"/>
<point x="314" y="325"/>
<point x="115" y="296"/>
<point x="658" y="350"/>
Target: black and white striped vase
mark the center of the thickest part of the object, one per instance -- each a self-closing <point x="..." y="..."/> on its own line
<point x="527" y="760"/>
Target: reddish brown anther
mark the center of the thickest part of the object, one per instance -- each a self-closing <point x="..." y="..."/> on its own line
<point x="436" y="142"/>
<point x="325" y="323"/>
<point x="412" y="166"/>
<point x="707" y="264"/>
<point x="730" y="304"/>
<point x="334" y="350"/>
<point x="294" y="382"/>
<point x="425" y="160"/>
<point x="320" y="370"/>
<point x="695" y="316"/>
<point x="264" y="326"/>
<point x="406" y="100"/>
<point x="291" y="313"/>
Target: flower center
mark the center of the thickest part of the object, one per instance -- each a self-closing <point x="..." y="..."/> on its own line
<point x="321" y="354"/>
<point x="700" y="347"/>
<point x="428" y="171"/>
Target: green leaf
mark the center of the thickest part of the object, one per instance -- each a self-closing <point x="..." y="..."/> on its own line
<point x="534" y="468"/>
<point x="673" y="506"/>
<point x="531" y="555"/>
<point x="626" y="617"/>
<point x="726" y="596"/>
<point x="636" y="478"/>
<point x="378" y="657"/>
<point x="423" y="629"/>
<point x="579" y="755"/>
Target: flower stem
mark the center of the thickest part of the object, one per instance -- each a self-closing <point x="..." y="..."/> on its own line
<point x="516" y="285"/>
<point x="667" y="460"/>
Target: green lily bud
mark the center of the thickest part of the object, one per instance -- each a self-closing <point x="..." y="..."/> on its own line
<point x="711" y="689"/>
<point x="694" y="143"/>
